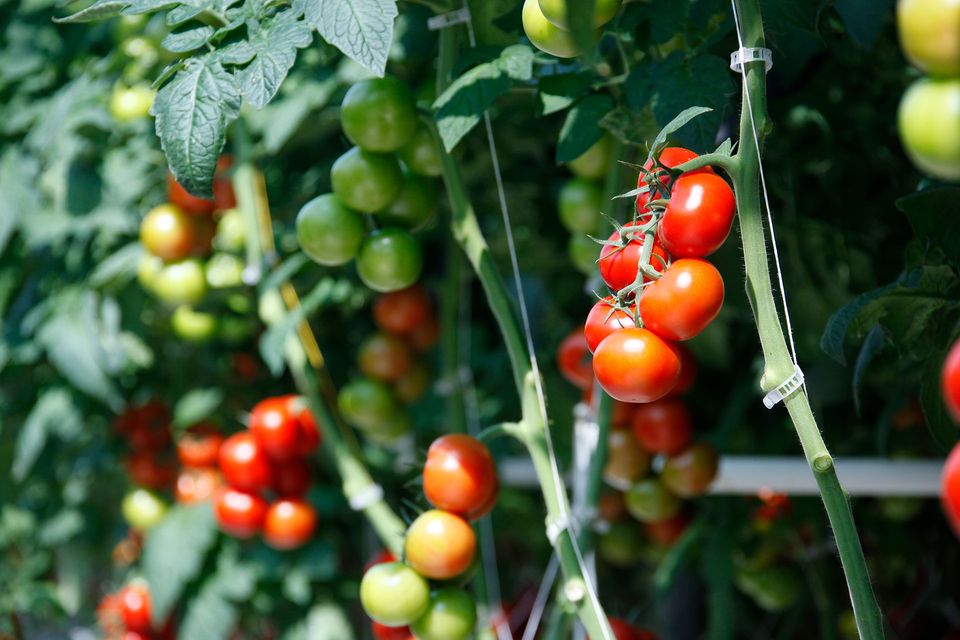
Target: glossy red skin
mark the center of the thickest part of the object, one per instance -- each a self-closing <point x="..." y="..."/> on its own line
<point x="460" y="475"/>
<point x="635" y="365"/>
<point x="383" y="632"/>
<point x="619" y="266"/>
<point x="950" y="489"/>
<point x="197" y="484"/>
<point x="244" y="463"/>
<point x="688" y="370"/>
<point x="199" y="446"/>
<point x="950" y="381"/>
<point x="684" y="301"/>
<point x="276" y="427"/>
<point x="238" y="513"/>
<point x="291" y="478"/>
<point x="667" y="532"/>
<point x="289" y="524"/>
<point x="401" y="312"/>
<point x="603" y="320"/>
<point x="670" y="157"/>
<point x="147" y="469"/>
<point x="183" y="199"/>
<point x="439" y="545"/>
<point x="698" y="219"/>
<point x="663" y="426"/>
<point x="310" y="436"/>
<point x="573" y="359"/>
<point x="135" y="608"/>
<point x="620" y="414"/>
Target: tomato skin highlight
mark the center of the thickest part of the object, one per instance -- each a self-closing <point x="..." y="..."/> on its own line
<point x="619" y="265"/>
<point x="199" y="446"/>
<point x="603" y="320"/>
<point x="460" y="475"/>
<point x="275" y="428"/>
<point x="197" y="484"/>
<point x="684" y="301"/>
<point x="950" y="381"/>
<point x="289" y="524"/>
<point x="135" y="608"/>
<point x="238" y="513"/>
<point x="168" y="232"/>
<point x="636" y="365"/>
<point x="439" y="545"/>
<point x="699" y="216"/>
<point x="573" y="359"/>
<point x="663" y="426"/>
<point x="244" y="463"/>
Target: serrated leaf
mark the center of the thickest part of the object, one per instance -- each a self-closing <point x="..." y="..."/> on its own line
<point x="173" y="554"/>
<point x="680" y="82"/>
<point x="181" y="14"/>
<point x="275" y="50"/>
<point x="361" y="29"/>
<point x="941" y="426"/>
<point x="560" y="91"/>
<point x="136" y="7"/>
<point x="196" y="405"/>
<point x="864" y="19"/>
<point x="97" y="11"/>
<point x="193" y="112"/>
<point x="631" y="126"/>
<point x="678" y="122"/>
<point x="189" y="40"/>
<point x="52" y="408"/>
<point x="581" y="129"/>
<point x="239" y="52"/>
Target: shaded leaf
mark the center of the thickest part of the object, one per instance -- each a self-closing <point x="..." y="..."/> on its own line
<point x="54" y="408"/>
<point x="189" y="40"/>
<point x="560" y="91"/>
<point x="941" y="426"/>
<point x="934" y="215"/>
<point x="196" y="405"/>
<point x="581" y="129"/>
<point x="361" y="29"/>
<point x="276" y="50"/>
<point x="870" y="349"/>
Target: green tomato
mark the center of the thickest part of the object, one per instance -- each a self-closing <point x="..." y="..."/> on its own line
<point x="396" y="426"/>
<point x="193" y="326"/>
<point x="595" y="161"/>
<point x="235" y="329"/>
<point x="546" y="36"/>
<point x="421" y="154"/>
<point x="393" y="594"/>
<point x="131" y="103"/>
<point x="690" y="472"/>
<point x="579" y="205"/>
<point x="148" y="269"/>
<point x="231" y="231"/>
<point x="583" y="253"/>
<point x="366" y="181"/>
<point x="224" y="271"/>
<point x="930" y="35"/>
<point x="622" y="545"/>
<point x="416" y="205"/>
<point x="556" y="12"/>
<point x="390" y="259"/>
<point x="379" y="114"/>
<point x="329" y="232"/>
<point x="143" y="509"/>
<point x="367" y="404"/>
<point x="181" y="282"/>
<point x="929" y="122"/>
<point x="774" y="589"/>
<point x="649" y="501"/>
<point x="451" y="615"/>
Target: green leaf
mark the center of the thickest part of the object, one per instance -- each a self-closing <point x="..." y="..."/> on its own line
<point x="196" y="405"/>
<point x="680" y="82"/>
<point x="97" y="11"/>
<point x="137" y="7"/>
<point x="581" y="130"/>
<point x="580" y="21"/>
<point x="560" y="91"/>
<point x="870" y="349"/>
<point x="941" y="426"/>
<point x="678" y="121"/>
<point x="189" y="40"/>
<point x="118" y="268"/>
<point x="791" y="30"/>
<point x="517" y="62"/>
<point x="631" y="126"/>
<point x="864" y="19"/>
<point x="17" y="173"/>
<point x="276" y="51"/>
<point x="54" y="410"/>
<point x="934" y="215"/>
<point x="193" y="112"/>
<point x="361" y="29"/>
<point x="173" y="554"/>
<point x="296" y="586"/>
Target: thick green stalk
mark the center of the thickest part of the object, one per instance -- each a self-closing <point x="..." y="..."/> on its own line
<point x="778" y="363"/>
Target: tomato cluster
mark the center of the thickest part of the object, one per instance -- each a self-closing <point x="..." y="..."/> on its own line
<point x="150" y="463"/>
<point x="388" y="175"/>
<point x="460" y="482"/>
<point x="269" y="459"/>
<point x="126" y="615"/>
<point x="393" y="374"/>
<point x="546" y="23"/>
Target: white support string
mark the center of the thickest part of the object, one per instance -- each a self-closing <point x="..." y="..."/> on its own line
<point x="540" y="602"/>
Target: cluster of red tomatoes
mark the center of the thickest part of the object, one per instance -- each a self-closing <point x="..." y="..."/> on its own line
<point x="460" y="481"/>
<point x="126" y="615"/>
<point x="269" y="459"/>
<point x="392" y="373"/>
<point x="388" y="176"/>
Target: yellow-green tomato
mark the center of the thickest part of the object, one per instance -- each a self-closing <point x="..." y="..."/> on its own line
<point x="231" y="231"/>
<point x="181" y="282"/>
<point x="192" y="325"/>
<point x="546" y="36"/>
<point x="649" y="501"/>
<point x="929" y="123"/>
<point x="148" y="269"/>
<point x="579" y="204"/>
<point x="224" y="271"/>
<point x="451" y="615"/>
<point x="143" y="509"/>
<point x="930" y="35"/>
<point x="556" y="12"/>
<point x="595" y="161"/>
<point x="393" y="594"/>
<point x="131" y="103"/>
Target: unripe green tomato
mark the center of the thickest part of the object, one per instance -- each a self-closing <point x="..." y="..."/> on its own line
<point x="774" y="589"/>
<point x="556" y="12"/>
<point x="929" y="123"/>
<point x="329" y="232"/>
<point x="379" y="114"/>
<point x="583" y="253"/>
<point x="900" y="508"/>
<point x="143" y="509"/>
<point x="546" y="36"/>
<point x="622" y="545"/>
<point x="235" y="329"/>
<point x="367" y="404"/>
<point x="224" y="271"/>
<point x="649" y="501"/>
<point x="390" y="259"/>
<point x="690" y="472"/>
<point x="193" y="326"/>
<point x="393" y="594"/>
<point x="595" y="161"/>
<point x="231" y="231"/>
<point x="148" y="269"/>
<point x="579" y="204"/>
<point x="131" y="103"/>
<point x="142" y="50"/>
<point x="415" y="206"/>
<point x="366" y="181"/>
<point x="181" y="282"/>
<point x="421" y="155"/>
<point x="930" y="35"/>
<point x="451" y="615"/>
<point x="396" y="426"/>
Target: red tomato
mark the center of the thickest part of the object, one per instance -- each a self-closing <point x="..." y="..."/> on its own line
<point x="402" y="312"/>
<point x="621" y="629"/>
<point x="573" y="359"/>
<point x="383" y="632"/>
<point x="635" y="365"/>
<point x="146" y="469"/>
<point x="950" y="488"/>
<point x="684" y="301"/>
<point x="439" y="545"/>
<point x="143" y="437"/>
<point x="199" y="446"/>
<point x="289" y="524"/>
<point x="196" y="484"/>
<point x="385" y="357"/>
<point x="697" y="220"/>
<point x="604" y="318"/>
<point x="610" y="506"/>
<point x="619" y="264"/>
<point x="182" y="198"/>
<point x="663" y="426"/>
<point x="459" y="475"/>
<point x="670" y="157"/>
<point x="291" y="478"/>
<point x="244" y="463"/>
<point x="621" y="413"/>
<point x="688" y="370"/>
<point x="275" y="427"/>
<point x="667" y="532"/>
<point x="152" y="415"/>
<point x="135" y="608"/>
<point x="950" y="381"/>
<point x="223" y="196"/>
<point x="238" y="513"/>
<point x="426" y="335"/>
<point x="310" y="436"/>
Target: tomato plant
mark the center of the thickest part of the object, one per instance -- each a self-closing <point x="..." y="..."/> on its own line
<point x="289" y="523"/>
<point x="620" y="257"/>
<point x="379" y="114"/>
<point x="697" y="219"/>
<point x="366" y="181"/>
<point x="451" y="615"/>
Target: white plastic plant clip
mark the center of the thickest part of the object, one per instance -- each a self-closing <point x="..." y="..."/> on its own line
<point x="744" y="55"/>
<point x="784" y="389"/>
<point x="557" y="526"/>
<point x="369" y="496"/>
<point x="449" y="19"/>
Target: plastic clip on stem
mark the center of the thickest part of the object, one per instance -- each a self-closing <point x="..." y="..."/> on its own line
<point x="745" y="55"/>
<point x="785" y="389"/>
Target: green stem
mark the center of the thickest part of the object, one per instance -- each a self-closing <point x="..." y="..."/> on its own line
<point x="778" y="365"/>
